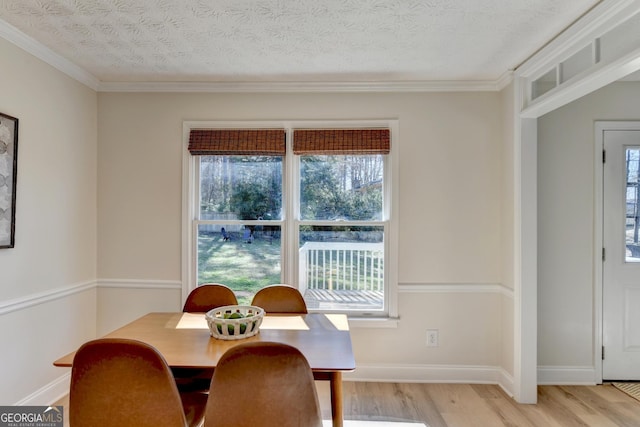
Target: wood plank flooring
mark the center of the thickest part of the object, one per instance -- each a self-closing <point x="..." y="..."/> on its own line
<point x="479" y="405"/>
<point x="470" y="405"/>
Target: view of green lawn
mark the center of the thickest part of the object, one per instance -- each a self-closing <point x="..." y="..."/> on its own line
<point x="244" y="267"/>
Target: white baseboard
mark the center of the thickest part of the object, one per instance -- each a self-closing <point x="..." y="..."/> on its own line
<point x="463" y="374"/>
<point x="567" y="375"/>
<point x="55" y="390"/>
<point x="48" y="394"/>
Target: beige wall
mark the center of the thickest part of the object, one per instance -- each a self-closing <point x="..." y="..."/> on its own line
<point x="99" y="203"/>
<point x="566" y="329"/>
<point x="450" y="171"/>
<point x="99" y="221"/>
<point x="449" y="211"/>
<point x="55" y="226"/>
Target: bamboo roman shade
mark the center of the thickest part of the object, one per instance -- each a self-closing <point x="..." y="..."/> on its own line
<point x="248" y="142"/>
<point x="341" y="141"/>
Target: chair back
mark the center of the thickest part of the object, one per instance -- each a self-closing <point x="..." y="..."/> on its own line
<point x="120" y="382"/>
<point x="264" y="384"/>
<point x="280" y="298"/>
<point x="209" y="296"/>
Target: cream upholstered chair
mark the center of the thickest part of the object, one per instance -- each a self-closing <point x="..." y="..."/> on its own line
<point x="264" y="384"/>
<point x="280" y="298"/>
<point x="120" y="382"/>
<point x="209" y="296"/>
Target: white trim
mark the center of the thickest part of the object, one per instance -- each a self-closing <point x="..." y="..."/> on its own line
<point x="413" y="373"/>
<point x="598" y="234"/>
<point x="418" y="373"/>
<point x="40" y="51"/>
<point x="598" y="244"/>
<point x="43" y="297"/>
<point x="307" y="87"/>
<point x="456" y="288"/>
<point x="190" y="202"/>
<point x="504" y="80"/>
<point x="392" y="243"/>
<point x="373" y="322"/>
<point x="188" y="213"/>
<point x="49" y="393"/>
<point x="526" y="263"/>
<point x="139" y="284"/>
<point x="567" y="375"/>
<point x="591" y="80"/>
<point x="603" y="17"/>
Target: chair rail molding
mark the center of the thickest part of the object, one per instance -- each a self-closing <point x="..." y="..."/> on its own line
<point x="484" y="288"/>
<point x="27" y="301"/>
<point x="139" y="284"/>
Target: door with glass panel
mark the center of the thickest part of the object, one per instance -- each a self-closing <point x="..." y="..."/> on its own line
<point x="621" y="264"/>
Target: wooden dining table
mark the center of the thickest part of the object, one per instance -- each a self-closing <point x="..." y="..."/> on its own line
<point x="185" y="342"/>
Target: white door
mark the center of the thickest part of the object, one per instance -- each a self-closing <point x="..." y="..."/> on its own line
<point x="621" y="264"/>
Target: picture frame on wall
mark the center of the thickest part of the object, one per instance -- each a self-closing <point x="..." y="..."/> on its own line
<point x="8" y="179"/>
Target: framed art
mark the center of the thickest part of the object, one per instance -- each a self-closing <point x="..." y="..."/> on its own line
<point x="8" y="178"/>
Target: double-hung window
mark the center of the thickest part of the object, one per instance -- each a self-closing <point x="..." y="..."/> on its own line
<point x="306" y="206"/>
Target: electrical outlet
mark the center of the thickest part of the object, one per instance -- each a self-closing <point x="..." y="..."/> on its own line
<point x="432" y="338"/>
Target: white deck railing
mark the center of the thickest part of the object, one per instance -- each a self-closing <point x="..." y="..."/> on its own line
<point x="342" y="266"/>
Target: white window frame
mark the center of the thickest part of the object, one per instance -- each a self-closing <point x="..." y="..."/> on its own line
<point x="291" y="219"/>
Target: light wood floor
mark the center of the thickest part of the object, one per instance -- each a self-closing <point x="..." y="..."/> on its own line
<point x="464" y="405"/>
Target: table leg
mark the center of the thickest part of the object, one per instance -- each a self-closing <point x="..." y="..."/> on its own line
<point x="335" y="384"/>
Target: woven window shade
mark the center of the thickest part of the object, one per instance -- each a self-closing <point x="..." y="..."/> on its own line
<point x="341" y="141"/>
<point x="248" y="142"/>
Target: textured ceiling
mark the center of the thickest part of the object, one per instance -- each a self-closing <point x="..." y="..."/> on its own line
<point x="293" y="40"/>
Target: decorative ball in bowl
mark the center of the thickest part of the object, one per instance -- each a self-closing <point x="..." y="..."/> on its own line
<point x="234" y="322"/>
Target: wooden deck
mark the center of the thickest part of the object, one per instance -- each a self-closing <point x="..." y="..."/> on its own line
<point x="324" y="299"/>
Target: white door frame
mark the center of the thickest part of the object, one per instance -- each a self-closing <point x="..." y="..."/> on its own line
<point x="525" y="246"/>
<point x="598" y="207"/>
<point x="598" y="232"/>
<point x="604" y="17"/>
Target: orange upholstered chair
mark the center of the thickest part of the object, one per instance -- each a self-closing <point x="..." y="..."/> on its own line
<point x="200" y="300"/>
<point x="209" y="296"/>
<point x="280" y="299"/>
<point x="264" y="384"/>
<point x="119" y="382"/>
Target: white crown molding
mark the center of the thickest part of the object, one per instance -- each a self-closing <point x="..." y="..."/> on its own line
<point x="302" y="87"/>
<point x="504" y="80"/>
<point x="40" y="51"/>
<point x="43" y="297"/>
<point x="595" y="23"/>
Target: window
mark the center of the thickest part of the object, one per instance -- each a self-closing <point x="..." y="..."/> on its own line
<point x="313" y="212"/>
<point x="632" y="229"/>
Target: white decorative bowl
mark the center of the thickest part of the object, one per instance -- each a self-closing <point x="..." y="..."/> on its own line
<point x="244" y="324"/>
